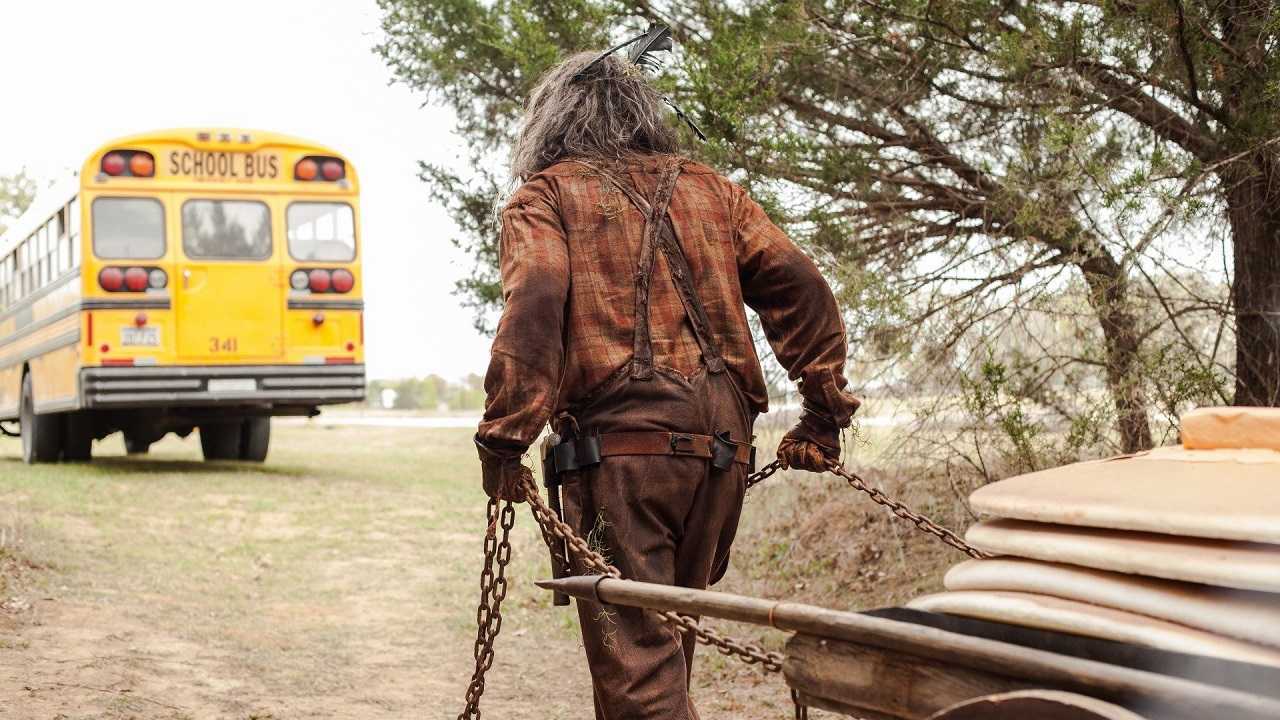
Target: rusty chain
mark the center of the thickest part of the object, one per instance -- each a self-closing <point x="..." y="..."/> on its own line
<point x="493" y="589"/>
<point x="879" y="497"/>
<point x="763" y="473"/>
<point x="920" y="521"/>
<point x="746" y="652"/>
<point x="497" y="553"/>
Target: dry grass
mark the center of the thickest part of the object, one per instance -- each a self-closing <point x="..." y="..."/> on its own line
<point x="338" y="580"/>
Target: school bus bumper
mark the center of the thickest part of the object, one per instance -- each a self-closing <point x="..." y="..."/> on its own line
<point x="187" y="386"/>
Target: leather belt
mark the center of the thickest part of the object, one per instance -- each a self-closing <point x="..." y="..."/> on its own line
<point x="668" y="443"/>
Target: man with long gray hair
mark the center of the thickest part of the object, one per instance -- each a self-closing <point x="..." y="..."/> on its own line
<point x="625" y="271"/>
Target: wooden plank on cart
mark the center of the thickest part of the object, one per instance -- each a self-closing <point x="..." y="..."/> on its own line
<point x="860" y="678"/>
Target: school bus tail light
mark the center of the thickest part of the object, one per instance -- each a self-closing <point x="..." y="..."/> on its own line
<point x="132" y="279"/>
<point x="113" y="164"/>
<point x="316" y="167"/>
<point x="135" y="279"/>
<point x="306" y="169"/>
<point x="129" y="163"/>
<point x="343" y="281"/>
<point x="320" y="280"/>
<point x="111" y="279"/>
<point x="142" y="165"/>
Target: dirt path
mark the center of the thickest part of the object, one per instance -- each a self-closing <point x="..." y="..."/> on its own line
<point x="337" y="581"/>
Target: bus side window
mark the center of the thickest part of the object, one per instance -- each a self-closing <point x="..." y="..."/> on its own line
<point x="64" y="243"/>
<point x="46" y="254"/>
<point x="55" y="243"/>
<point x="73" y="231"/>
<point x="23" y="265"/>
<point x="4" y="283"/>
<point x="55" y="233"/>
<point x="40" y="247"/>
<point x="46" y="246"/>
<point x="33" y="263"/>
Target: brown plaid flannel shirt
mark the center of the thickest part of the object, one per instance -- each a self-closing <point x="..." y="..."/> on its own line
<point x="569" y="252"/>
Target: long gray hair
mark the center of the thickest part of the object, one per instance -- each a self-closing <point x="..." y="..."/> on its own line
<point x="607" y="116"/>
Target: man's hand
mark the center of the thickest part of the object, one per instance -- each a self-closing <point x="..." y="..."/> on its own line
<point x="502" y="473"/>
<point x="506" y="481"/>
<point x="813" y="444"/>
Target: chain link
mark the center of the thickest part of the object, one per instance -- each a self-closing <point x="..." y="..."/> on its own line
<point x="746" y="652"/>
<point x="878" y="496"/>
<point x="763" y="473"/>
<point x="493" y="589"/>
<point x="920" y="521"/>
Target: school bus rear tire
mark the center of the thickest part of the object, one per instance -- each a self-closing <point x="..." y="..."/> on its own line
<point x="41" y="441"/>
<point x="255" y="438"/>
<point x="220" y="441"/>
<point x="77" y="437"/>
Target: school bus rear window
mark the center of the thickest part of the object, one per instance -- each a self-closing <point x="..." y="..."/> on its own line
<point x="226" y="229"/>
<point x="321" y="232"/>
<point x="128" y="228"/>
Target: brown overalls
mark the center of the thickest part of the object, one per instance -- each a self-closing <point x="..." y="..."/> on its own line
<point x="667" y="517"/>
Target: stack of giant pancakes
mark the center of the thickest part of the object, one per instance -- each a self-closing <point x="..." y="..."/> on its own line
<point x="1177" y="548"/>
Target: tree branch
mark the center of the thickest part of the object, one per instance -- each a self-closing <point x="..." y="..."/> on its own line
<point x="1132" y="101"/>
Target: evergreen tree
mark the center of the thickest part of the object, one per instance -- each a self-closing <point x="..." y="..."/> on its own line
<point x="959" y="167"/>
<point x="16" y="193"/>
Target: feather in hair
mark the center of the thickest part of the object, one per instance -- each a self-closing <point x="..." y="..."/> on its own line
<point x="582" y="74"/>
<point x="656" y="39"/>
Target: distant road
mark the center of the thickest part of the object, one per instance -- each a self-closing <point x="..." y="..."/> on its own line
<point x="393" y="421"/>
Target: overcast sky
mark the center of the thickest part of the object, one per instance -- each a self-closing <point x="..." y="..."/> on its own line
<point x="79" y="73"/>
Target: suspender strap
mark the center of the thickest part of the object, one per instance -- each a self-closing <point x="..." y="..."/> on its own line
<point x="682" y="276"/>
<point x="659" y="233"/>
<point x="643" y="340"/>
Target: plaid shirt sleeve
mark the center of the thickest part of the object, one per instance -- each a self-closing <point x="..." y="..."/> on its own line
<point x="796" y="307"/>
<point x="527" y="358"/>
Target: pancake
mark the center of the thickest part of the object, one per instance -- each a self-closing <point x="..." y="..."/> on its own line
<point x="1220" y="563"/>
<point x="1242" y="614"/>
<point x="1225" y="494"/>
<point x="1231" y="427"/>
<point x="1067" y="616"/>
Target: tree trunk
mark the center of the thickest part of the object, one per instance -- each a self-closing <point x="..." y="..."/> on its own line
<point x="1108" y="294"/>
<point x="1253" y="207"/>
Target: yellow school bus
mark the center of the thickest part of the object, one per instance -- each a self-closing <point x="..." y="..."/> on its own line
<point x="184" y="279"/>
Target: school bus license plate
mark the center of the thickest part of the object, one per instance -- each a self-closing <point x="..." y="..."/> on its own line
<point x="140" y="337"/>
<point x="232" y="385"/>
